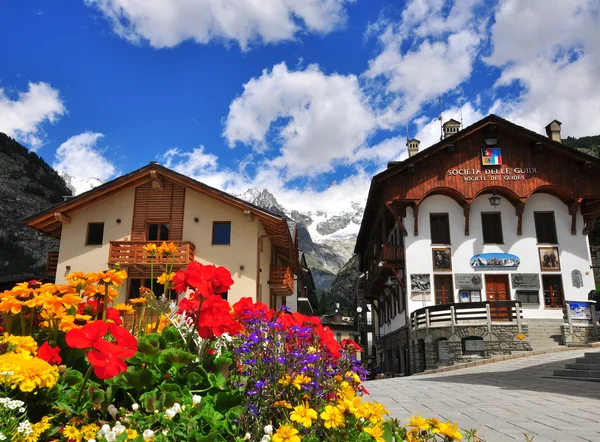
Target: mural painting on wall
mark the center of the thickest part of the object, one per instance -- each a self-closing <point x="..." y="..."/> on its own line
<point x="580" y="310"/>
<point x="495" y="261"/>
<point x="549" y="259"/>
<point x="420" y="282"/>
<point x="577" y="279"/>
<point x="442" y="260"/>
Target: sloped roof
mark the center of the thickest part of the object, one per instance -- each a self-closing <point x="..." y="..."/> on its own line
<point x="46" y="221"/>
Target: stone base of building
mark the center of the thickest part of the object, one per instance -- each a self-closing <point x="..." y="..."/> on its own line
<point x="436" y="347"/>
<point x="579" y="334"/>
<point x="393" y="355"/>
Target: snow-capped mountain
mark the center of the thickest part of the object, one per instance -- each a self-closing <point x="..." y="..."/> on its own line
<point x="78" y="185"/>
<point x="327" y="238"/>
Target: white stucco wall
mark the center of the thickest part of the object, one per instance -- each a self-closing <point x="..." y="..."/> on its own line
<point x="573" y="249"/>
<point x="82" y="258"/>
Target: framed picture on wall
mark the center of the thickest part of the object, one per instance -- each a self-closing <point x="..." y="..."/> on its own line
<point x="442" y="260"/>
<point x="549" y="259"/>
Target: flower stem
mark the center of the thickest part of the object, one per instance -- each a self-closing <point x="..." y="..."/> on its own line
<point x="196" y="319"/>
<point x="22" y="314"/>
<point x="105" y="302"/>
<point x="85" y="379"/>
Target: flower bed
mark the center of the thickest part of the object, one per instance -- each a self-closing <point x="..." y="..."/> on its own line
<point x="76" y="367"/>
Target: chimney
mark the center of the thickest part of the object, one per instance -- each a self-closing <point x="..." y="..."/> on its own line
<point x="553" y="130"/>
<point x="413" y="147"/>
<point x="450" y="127"/>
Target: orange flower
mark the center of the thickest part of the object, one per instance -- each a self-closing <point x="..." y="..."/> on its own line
<point x="164" y="278"/>
<point x="168" y="249"/>
<point x="140" y="300"/>
<point x="69" y="322"/>
<point x="150" y="248"/>
<point x="10" y="304"/>
<point x="124" y="309"/>
<point x="112" y="276"/>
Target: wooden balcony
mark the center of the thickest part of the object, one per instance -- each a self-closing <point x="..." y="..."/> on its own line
<point x="132" y="253"/>
<point x="392" y="254"/>
<point x="281" y="281"/>
<point x="51" y="263"/>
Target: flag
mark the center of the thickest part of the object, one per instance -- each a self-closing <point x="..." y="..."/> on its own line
<point x="491" y="156"/>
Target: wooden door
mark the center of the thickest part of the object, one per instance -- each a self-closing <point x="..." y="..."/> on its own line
<point x="496" y="288"/>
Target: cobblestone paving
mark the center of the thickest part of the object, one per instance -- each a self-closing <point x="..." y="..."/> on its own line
<point x="503" y="400"/>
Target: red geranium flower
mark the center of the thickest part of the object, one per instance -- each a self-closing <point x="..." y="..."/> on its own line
<point x="349" y="343"/>
<point x="49" y="354"/>
<point x="205" y="280"/>
<point x="245" y="308"/>
<point x="114" y="315"/>
<point x="215" y="318"/>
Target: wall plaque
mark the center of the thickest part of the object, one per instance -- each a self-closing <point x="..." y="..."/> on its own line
<point x="420" y="282"/>
<point x="474" y="345"/>
<point x="444" y="350"/>
<point x="525" y="281"/>
<point x="576" y="279"/>
<point x="467" y="281"/>
<point x="495" y="261"/>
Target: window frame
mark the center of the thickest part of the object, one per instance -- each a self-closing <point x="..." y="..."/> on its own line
<point x="528" y="293"/>
<point x="561" y="291"/>
<point x="552" y="228"/>
<point x="497" y="215"/>
<point x="87" y="234"/>
<point x="159" y="223"/>
<point x="437" y="278"/>
<point x="438" y="217"/>
<point x="220" y="223"/>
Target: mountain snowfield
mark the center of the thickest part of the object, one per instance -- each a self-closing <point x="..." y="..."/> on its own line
<point x="327" y="238"/>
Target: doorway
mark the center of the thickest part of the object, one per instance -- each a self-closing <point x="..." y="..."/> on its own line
<point x="496" y="289"/>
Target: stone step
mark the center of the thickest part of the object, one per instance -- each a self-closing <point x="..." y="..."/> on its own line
<point x="568" y="378"/>
<point x="578" y="366"/>
<point x="589" y="359"/>
<point x="578" y="373"/>
<point x="592" y="355"/>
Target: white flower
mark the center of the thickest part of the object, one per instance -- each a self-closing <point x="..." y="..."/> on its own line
<point x="266" y="438"/>
<point x="119" y="428"/>
<point x="135" y="407"/>
<point x="165" y="432"/>
<point x="112" y="410"/>
<point x="170" y="413"/>
<point x="196" y="399"/>
<point x="248" y="436"/>
<point x="91" y="440"/>
<point x="268" y="429"/>
<point x="2" y="436"/>
<point x="148" y="434"/>
<point x="104" y="430"/>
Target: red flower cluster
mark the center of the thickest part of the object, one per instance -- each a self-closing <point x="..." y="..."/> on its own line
<point x="49" y="354"/>
<point x="203" y="280"/>
<point x="245" y="308"/>
<point x="105" y="356"/>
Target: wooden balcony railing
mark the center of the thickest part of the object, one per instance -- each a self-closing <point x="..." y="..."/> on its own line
<point x="52" y="263"/>
<point x="392" y="254"/>
<point x="129" y="253"/>
<point x="465" y="314"/>
<point x="281" y="281"/>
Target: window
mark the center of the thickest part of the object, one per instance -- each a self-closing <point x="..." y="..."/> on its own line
<point x="553" y="291"/>
<point x="158" y="232"/>
<point x="338" y="337"/>
<point x="224" y="295"/>
<point x="491" y="224"/>
<point x="440" y="228"/>
<point x="95" y="234"/>
<point x="221" y="234"/>
<point x="135" y="284"/>
<point x="528" y="296"/>
<point x="545" y="227"/>
<point x="444" y="293"/>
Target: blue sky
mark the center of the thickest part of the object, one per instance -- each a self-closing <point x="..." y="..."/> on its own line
<point x="308" y="98"/>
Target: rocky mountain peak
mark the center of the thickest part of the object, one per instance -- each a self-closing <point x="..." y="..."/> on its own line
<point x="78" y="185"/>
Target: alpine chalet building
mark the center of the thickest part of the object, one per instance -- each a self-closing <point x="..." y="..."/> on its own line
<point x="477" y="246"/>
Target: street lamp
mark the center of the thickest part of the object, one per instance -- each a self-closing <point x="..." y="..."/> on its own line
<point x="494" y="199"/>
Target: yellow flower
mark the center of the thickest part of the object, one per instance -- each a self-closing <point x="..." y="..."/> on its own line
<point x="285" y="404"/>
<point x="162" y="323"/>
<point x="354" y="376"/>
<point x="168" y="249"/>
<point x="68" y="322"/>
<point x="300" y="380"/>
<point x="333" y="417"/>
<point x="71" y="433"/>
<point x="448" y="429"/>
<point x="286" y="433"/>
<point x="303" y="414"/>
<point x="112" y="276"/>
<point x="89" y="431"/>
<point x="22" y="344"/>
<point x="131" y="433"/>
<point x="375" y="432"/>
<point x="150" y="248"/>
<point x="420" y="422"/>
<point x="140" y="300"/>
<point x="28" y="373"/>
<point x="375" y="412"/>
<point x="164" y="278"/>
<point x="125" y="309"/>
<point x="10" y="304"/>
<point x="285" y="381"/>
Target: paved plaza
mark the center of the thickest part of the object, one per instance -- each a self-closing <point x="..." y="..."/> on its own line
<point x="503" y="400"/>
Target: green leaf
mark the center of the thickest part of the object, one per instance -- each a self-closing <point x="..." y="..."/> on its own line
<point x="149" y="345"/>
<point x="176" y="357"/>
<point x="212" y="437"/>
<point x="227" y="400"/>
<point x="139" y="379"/>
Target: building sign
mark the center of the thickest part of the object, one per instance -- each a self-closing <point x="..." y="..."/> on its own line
<point x="444" y="350"/>
<point x="472" y="345"/>
<point x="580" y="310"/>
<point x="525" y="281"/>
<point x="467" y="281"/>
<point x="491" y="156"/>
<point x="495" y="174"/>
<point x="495" y="261"/>
<point x="576" y="279"/>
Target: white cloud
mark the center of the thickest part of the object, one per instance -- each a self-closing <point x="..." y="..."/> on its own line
<point x="168" y="23"/>
<point x="316" y="120"/>
<point x="24" y="117"/>
<point x="82" y="159"/>
<point x="552" y="50"/>
<point x="428" y="53"/>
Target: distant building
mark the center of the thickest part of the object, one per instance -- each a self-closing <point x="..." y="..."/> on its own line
<point x="111" y="223"/>
<point x="471" y="247"/>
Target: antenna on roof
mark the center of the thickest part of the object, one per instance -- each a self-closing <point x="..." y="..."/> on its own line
<point x="407" y="135"/>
